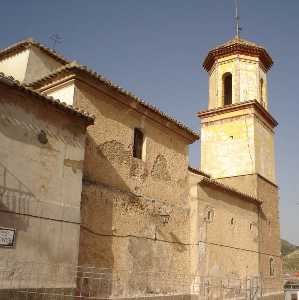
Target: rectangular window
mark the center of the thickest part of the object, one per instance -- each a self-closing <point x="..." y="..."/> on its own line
<point x="138" y="143"/>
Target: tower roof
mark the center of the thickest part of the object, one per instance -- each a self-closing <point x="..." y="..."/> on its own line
<point x="238" y="46"/>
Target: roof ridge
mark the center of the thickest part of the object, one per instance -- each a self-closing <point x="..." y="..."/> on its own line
<point x="76" y="65"/>
<point x="237" y="40"/>
<point x="11" y="81"/>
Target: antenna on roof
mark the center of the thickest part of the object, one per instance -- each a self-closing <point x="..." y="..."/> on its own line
<point x="237" y="19"/>
<point x="56" y="38"/>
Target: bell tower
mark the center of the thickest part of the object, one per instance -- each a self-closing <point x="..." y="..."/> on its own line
<point x="237" y="130"/>
<point x="237" y="141"/>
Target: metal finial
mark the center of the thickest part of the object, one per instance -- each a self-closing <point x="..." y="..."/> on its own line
<point x="237" y="19"/>
<point x="56" y="38"/>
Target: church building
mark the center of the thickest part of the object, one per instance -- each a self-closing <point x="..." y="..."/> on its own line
<point x="135" y="210"/>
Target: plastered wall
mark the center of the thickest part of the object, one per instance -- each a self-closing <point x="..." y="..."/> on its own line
<point x="15" y="65"/>
<point x="29" y="65"/>
<point x="40" y="185"/>
<point x="224" y="249"/>
<point x="39" y="65"/>
<point x="64" y="93"/>
<point x="237" y="143"/>
<point x="227" y="145"/>
<point x="265" y="150"/>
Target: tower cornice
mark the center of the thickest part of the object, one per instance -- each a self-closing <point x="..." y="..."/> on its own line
<point x="240" y="106"/>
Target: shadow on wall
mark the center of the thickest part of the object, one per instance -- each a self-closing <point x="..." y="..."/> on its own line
<point x="96" y="208"/>
<point x="98" y="163"/>
<point x="15" y="197"/>
<point x="17" y="124"/>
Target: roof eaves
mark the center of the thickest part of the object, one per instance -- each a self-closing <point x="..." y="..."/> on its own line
<point x="10" y="81"/>
<point x="217" y="184"/>
<point x="198" y="172"/>
<point x="238" y="45"/>
<point x="78" y="67"/>
<point x="27" y="43"/>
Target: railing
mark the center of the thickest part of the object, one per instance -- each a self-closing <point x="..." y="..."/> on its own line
<point x="65" y="282"/>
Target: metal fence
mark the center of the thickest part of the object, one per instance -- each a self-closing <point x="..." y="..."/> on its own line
<point x="30" y="281"/>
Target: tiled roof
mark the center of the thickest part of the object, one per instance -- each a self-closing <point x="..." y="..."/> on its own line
<point x="10" y="81"/>
<point x="237" y="40"/>
<point x="76" y="67"/>
<point x="215" y="183"/>
<point x="198" y="172"/>
<point x="236" y="46"/>
<point x="24" y="44"/>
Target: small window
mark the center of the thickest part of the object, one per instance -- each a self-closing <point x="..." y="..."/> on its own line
<point x="271" y="266"/>
<point x="227" y="89"/>
<point x="232" y="221"/>
<point x="138" y="143"/>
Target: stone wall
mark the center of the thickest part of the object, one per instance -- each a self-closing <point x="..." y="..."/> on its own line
<point x="127" y="201"/>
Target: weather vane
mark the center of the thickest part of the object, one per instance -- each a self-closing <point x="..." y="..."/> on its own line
<point x="56" y="38"/>
<point x="237" y="19"/>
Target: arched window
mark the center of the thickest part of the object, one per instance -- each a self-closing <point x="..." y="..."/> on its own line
<point x="271" y="266"/>
<point x="227" y="89"/>
<point x="262" y="90"/>
<point x="138" y="143"/>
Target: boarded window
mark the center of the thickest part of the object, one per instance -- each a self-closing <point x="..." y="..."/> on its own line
<point x="138" y="143"/>
<point x="227" y="89"/>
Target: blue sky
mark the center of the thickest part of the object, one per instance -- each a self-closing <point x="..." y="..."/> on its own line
<point x="155" y="49"/>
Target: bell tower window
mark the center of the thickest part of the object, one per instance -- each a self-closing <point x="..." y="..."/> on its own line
<point x="262" y="91"/>
<point x="227" y="89"/>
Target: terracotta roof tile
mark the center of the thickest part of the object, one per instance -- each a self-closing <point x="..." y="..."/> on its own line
<point x="215" y="183"/>
<point x="198" y="172"/>
<point x="10" y="81"/>
<point x="236" y="46"/>
<point x="24" y="44"/>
